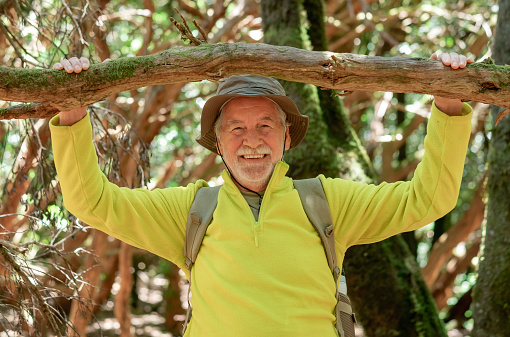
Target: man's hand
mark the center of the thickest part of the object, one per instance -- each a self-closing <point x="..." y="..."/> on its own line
<point x="73" y="65"/>
<point x="452" y="107"/>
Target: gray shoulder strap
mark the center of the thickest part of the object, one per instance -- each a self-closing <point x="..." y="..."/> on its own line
<point x="317" y="209"/>
<point x="201" y="212"/>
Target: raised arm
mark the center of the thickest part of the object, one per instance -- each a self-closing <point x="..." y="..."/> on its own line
<point x="368" y="213"/>
<point x="151" y="220"/>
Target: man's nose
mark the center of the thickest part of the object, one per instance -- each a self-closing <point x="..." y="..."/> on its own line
<point x="252" y="139"/>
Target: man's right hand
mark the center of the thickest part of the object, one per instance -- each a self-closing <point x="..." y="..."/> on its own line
<point x="73" y="65"/>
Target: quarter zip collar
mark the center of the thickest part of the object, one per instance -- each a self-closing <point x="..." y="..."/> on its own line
<point x="275" y="183"/>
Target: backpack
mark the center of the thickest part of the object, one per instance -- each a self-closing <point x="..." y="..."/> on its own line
<point x="316" y="208"/>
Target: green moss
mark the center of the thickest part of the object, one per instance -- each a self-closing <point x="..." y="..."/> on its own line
<point x="500" y="74"/>
<point x="110" y="72"/>
<point x="198" y="53"/>
<point x="44" y="79"/>
<point x="25" y="78"/>
<point x="504" y="69"/>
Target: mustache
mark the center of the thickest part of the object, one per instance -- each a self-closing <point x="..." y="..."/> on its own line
<point x="261" y="149"/>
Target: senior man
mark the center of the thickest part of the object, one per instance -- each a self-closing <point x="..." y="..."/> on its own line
<point x="261" y="269"/>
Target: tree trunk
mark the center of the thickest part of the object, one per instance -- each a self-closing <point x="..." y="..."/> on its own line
<point x="172" y="297"/>
<point x="122" y="299"/>
<point x="83" y="306"/>
<point x="399" y="302"/>
<point x="491" y="294"/>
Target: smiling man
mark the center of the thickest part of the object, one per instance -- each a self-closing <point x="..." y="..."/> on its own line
<point x="250" y="139"/>
<point x="261" y="270"/>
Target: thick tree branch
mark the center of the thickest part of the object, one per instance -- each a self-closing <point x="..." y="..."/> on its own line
<point x="59" y="90"/>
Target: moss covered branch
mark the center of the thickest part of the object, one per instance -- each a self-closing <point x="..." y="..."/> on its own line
<point x="56" y="90"/>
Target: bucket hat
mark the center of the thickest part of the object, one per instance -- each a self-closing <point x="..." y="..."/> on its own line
<point x="255" y="86"/>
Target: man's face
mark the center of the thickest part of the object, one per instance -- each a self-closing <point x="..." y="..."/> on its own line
<point x="252" y="140"/>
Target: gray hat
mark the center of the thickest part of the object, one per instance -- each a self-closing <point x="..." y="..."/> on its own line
<point x="256" y="86"/>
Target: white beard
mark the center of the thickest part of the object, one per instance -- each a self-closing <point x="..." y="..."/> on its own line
<point x="255" y="174"/>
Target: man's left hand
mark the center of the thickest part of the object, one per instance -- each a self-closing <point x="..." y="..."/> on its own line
<point x="452" y="107"/>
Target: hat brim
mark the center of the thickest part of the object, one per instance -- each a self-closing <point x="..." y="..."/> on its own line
<point x="207" y="138"/>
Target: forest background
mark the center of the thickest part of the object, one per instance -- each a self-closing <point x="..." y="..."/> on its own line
<point x="58" y="276"/>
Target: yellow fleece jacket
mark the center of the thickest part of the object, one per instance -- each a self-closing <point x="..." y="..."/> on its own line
<point x="268" y="277"/>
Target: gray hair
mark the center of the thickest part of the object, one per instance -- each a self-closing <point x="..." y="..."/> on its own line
<point x="218" y="125"/>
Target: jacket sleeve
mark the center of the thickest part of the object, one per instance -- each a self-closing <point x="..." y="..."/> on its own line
<point x="368" y="213"/>
<point x="151" y="220"/>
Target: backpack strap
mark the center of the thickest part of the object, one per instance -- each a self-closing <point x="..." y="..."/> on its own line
<point x="201" y="212"/>
<point x="199" y="218"/>
<point x="313" y="198"/>
<point x="317" y="209"/>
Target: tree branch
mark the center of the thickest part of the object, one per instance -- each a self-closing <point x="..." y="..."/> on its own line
<point x="58" y="90"/>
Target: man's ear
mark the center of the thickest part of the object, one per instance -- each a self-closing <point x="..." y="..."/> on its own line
<point x="287" y="139"/>
<point x="218" y="147"/>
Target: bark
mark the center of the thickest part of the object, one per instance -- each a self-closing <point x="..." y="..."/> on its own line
<point x="399" y="302"/>
<point x="57" y="90"/>
<point x="491" y="294"/>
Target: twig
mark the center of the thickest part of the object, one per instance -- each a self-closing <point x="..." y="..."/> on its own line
<point x="204" y="35"/>
<point x="33" y="289"/>
<point x="13" y="41"/>
<point x="183" y="19"/>
<point x="75" y="23"/>
<point x="501" y="115"/>
<point x="185" y="31"/>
